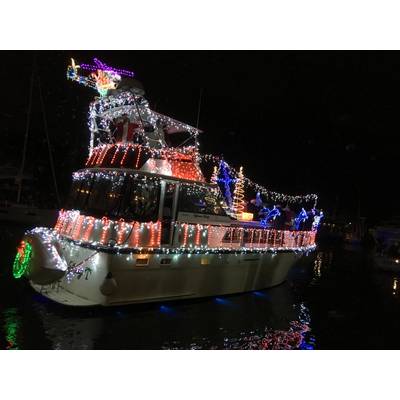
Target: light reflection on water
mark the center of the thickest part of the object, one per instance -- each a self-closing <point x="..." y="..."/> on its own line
<point x="395" y="286"/>
<point x="322" y="264"/>
<point x="265" y="320"/>
<point x="298" y="336"/>
<point x="11" y="326"/>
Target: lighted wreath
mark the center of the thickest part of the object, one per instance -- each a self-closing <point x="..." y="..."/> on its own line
<point x="22" y="259"/>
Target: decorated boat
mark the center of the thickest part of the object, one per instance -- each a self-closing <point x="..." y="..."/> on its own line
<point x="149" y="219"/>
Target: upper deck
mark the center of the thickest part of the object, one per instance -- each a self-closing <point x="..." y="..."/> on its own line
<point x="177" y="163"/>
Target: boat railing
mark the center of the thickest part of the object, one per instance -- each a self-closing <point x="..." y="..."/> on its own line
<point x="134" y="234"/>
<point x="105" y="231"/>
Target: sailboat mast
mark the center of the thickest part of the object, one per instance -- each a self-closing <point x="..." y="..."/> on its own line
<point x="28" y="121"/>
<point x="199" y="108"/>
<point x="48" y="142"/>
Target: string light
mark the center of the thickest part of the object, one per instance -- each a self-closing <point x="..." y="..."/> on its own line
<point x="238" y="196"/>
<point x="127" y="148"/>
<point x="136" y="237"/>
<point x="99" y="65"/>
<point x="138" y="157"/>
<point x="121" y="231"/>
<point x="102" y="77"/>
<point x="268" y="194"/>
<point x="22" y="259"/>
<point x="198" y="231"/>
<point x="218" y="237"/>
<point x="105" y="228"/>
<point x="89" y="229"/>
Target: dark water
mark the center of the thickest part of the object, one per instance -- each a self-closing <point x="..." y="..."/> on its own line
<point x="335" y="292"/>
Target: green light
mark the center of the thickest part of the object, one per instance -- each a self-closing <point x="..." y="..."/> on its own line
<point x="22" y="259"/>
<point x="12" y="325"/>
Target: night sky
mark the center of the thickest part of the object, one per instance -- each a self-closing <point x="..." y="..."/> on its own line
<point x="324" y="122"/>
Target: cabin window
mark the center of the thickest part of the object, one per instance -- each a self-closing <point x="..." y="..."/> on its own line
<point x="140" y="199"/>
<point x="133" y="199"/>
<point x="79" y="194"/>
<point x="200" y="200"/>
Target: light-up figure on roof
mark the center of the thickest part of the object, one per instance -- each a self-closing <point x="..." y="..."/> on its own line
<point x="269" y="215"/>
<point x="317" y="220"/>
<point x="101" y="77"/>
<point x="126" y="131"/>
<point x="226" y="180"/>
<point x="301" y="217"/>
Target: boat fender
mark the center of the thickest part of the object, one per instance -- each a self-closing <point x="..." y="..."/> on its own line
<point x="109" y="285"/>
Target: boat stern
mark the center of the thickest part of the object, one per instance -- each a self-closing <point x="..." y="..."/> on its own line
<point x="38" y="258"/>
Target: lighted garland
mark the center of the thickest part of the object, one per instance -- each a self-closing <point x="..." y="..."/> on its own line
<point x="270" y="195"/>
<point x="107" y="108"/>
<point x="22" y="259"/>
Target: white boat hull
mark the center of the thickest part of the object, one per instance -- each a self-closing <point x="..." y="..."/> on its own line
<point x="162" y="277"/>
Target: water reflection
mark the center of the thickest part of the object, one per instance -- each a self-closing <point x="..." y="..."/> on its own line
<point x="317" y="265"/>
<point x="266" y="319"/>
<point x="395" y="286"/>
<point x="297" y="336"/>
<point x="322" y="264"/>
<point x="12" y="325"/>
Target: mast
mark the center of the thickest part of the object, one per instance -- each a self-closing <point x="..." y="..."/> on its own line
<point x="198" y="108"/>
<point x="48" y="142"/>
<point x="28" y="121"/>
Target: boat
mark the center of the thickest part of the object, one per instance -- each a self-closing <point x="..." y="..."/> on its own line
<point x="144" y="224"/>
<point x="18" y="204"/>
<point x="23" y="210"/>
<point x="387" y="239"/>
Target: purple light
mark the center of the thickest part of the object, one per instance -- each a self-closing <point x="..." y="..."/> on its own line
<point x="104" y="67"/>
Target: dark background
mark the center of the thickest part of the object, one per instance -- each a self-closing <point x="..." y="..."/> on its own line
<point x="299" y="121"/>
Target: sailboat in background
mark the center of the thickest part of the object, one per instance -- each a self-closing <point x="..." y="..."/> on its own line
<point x="17" y="204"/>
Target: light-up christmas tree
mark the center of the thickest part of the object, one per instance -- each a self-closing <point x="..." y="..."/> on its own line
<point x="214" y="176"/>
<point x="238" y="196"/>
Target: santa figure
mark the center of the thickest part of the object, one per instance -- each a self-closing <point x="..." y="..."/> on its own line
<point x="125" y="130"/>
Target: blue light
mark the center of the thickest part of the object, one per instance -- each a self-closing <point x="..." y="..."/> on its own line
<point x="260" y="294"/>
<point x="165" y="309"/>
<point x="306" y="346"/>
<point x="226" y="181"/>
<point x="219" y="300"/>
<point x="300" y="218"/>
<point x="269" y="215"/>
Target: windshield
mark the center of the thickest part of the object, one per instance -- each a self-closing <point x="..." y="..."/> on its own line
<point x="128" y="197"/>
<point x="200" y="200"/>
